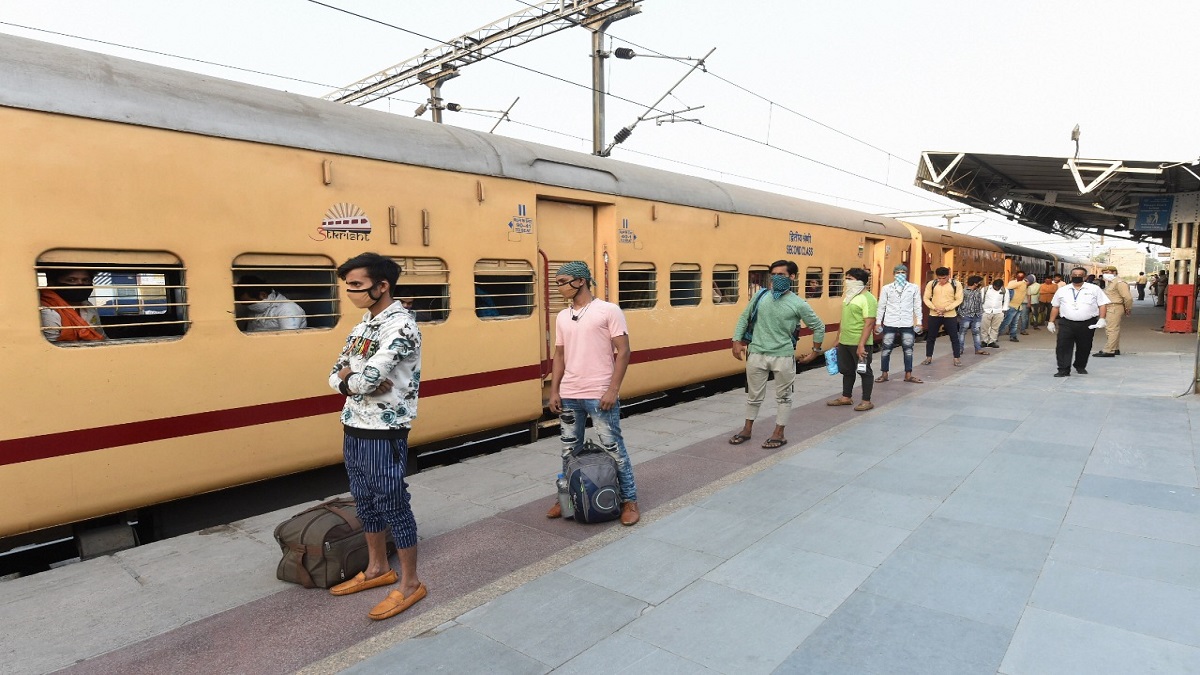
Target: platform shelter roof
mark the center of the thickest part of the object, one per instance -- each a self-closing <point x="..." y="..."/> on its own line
<point x="1062" y="196"/>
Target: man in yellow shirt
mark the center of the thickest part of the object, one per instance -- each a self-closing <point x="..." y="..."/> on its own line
<point x="942" y="297"/>
<point x="1016" y="304"/>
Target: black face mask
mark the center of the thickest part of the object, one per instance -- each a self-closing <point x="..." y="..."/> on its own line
<point x="1077" y="280"/>
<point x="76" y="295"/>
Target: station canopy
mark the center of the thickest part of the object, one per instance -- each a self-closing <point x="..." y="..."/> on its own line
<point x="1067" y="197"/>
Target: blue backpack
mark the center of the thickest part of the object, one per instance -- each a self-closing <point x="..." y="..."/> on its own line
<point x="592" y="484"/>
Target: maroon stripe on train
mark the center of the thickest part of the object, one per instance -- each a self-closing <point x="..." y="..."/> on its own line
<point x="31" y="448"/>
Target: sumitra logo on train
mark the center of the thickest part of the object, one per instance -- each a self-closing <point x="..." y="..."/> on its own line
<point x="795" y="248"/>
<point x="344" y="221"/>
<point x="625" y="233"/>
<point x="520" y="223"/>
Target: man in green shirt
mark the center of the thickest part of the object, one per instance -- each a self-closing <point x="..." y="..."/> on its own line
<point x="855" y="338"/>
<point x="769" y="347"/>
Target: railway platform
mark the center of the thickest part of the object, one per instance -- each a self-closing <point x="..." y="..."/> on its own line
<point x="992" y="520"/>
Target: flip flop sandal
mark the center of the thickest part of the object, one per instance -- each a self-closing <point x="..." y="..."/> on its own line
<point x="838" y="401"/>
<point x="738" y="439"/>
<point x="773" y="443"/>
<point x="927" y="362"/>
<point x="957" y="363"/>
<point x="914" y="380"/>
<point x="882" y="378"/>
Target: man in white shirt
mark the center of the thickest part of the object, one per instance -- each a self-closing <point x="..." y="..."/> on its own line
<point x="995" y="303"/>
<point x="1080" y="308"/>
<point x="899" y="314"/>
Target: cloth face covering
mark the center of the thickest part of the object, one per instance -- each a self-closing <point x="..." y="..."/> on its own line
<point x="901" y="279"/>
<point x="853" y="288"/>
<point x="780" y="284"/>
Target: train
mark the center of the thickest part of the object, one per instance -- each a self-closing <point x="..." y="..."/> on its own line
<point x="177" y="191"/>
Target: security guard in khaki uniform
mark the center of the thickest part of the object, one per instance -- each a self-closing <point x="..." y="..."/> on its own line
<point x="1118" y="294"/>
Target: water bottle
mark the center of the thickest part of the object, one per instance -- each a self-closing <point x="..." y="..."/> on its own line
<point x="564" y="497"/>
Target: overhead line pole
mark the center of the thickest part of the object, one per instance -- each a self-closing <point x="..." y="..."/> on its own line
<point x="432" y="66"/>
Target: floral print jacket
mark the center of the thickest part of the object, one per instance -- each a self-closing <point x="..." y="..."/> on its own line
<point x="384" y="346"/>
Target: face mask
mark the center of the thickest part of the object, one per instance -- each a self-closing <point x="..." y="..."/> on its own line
<point x="780" y="284"/>
<point x="367" y="290"/>
<point x="1109" y="277"/>
<point x="1077" y="280"/>
<point x="854" y="286"/>
<point x="901" y="278"/>
<point x="75" y="296"/>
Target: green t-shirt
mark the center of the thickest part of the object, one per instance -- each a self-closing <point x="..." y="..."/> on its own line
<point x="854" y="317"/>
<point x="777" y="319"/>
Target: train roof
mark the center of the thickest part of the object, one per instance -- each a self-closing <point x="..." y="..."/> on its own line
<point x="56" y="79"/>
<point x="934" y="234"/>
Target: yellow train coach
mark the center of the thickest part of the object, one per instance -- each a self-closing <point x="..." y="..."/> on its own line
<point x="183" y="201"/>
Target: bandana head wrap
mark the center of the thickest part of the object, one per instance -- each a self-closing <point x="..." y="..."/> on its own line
<point x="577" y="269"/>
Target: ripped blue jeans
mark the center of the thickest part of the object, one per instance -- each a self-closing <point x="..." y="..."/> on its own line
<point x="607" y="423"/>
<point x="908" y="338"/>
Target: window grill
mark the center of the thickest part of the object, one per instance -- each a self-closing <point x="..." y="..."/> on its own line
<point x="837" y="278"/>
<point x="131" y="295"/>
<point x="685" y="285"/>
<point x="503" y="289"/>
<point x="425" y="285"/>
<point x="284" y="292"/>
<point x="725" y="284"/>
<point x="637" y="285"/>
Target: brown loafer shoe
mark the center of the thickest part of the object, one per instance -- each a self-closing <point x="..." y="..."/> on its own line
<point x="360" y="582"/>
<point x="395" y="602"/>
<point x="629" y="513"/>
<point x="864" y="406"/>
<point x="555" y="511"/>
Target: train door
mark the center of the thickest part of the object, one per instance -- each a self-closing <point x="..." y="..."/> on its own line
<point x="873" y="259"/>
<point x="566" y="232"/>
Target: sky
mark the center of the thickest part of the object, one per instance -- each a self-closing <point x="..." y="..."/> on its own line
<point x="828" y="101"/>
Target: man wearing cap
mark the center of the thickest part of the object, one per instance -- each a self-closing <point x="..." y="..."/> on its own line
<point x="591" y="354"/>
<point x="899" y="315"/>
<point x="1120" y="304"/>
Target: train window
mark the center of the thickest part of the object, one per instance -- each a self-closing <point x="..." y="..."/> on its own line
<point x="836" y="279"/>
<point x="425" y="284"/>
<point x="725" y="284"/>
<point x="89" y="297"/>
<point x="503" y="289"/>
<point x="813" y="276"/>
<point x="904" y="256"/>
<point x="685" y="285"/>
<point x="757" y="278"/>
<point x="284" y="292"/>
<point x="637" y="285"/>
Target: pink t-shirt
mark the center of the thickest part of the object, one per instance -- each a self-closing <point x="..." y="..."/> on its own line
<point x="587" y="348"/>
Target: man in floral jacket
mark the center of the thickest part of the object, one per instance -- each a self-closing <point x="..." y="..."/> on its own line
<point x="379" y="373"/>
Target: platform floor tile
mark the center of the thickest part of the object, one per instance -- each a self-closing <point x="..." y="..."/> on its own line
<point x="554" y="618"/>
<point x="455" y="650"/>
<point x="709" y="531"/>
<point x="978" y="592"/>
<point x="857" y="541"/>
<point x="877" y="635"/>
<point x="1143" y="606"/>
<point x="776" y="569"/>
<point x="1130" y="555"/>
<point x="643" y="568"/>
<point x="725" y="629"/>
<point x="1048" y="643"/>
<point x="622" y="654"/>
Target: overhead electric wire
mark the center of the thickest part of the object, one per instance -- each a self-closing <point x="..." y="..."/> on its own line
<point x="627" y="100"/>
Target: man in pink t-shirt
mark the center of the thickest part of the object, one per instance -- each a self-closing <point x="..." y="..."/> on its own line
<point x="591" y="354"/>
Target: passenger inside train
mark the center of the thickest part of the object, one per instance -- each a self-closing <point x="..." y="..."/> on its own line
<point x="266" y="308"/>
<point x="67" y="314"/>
